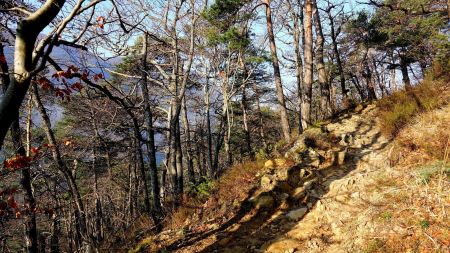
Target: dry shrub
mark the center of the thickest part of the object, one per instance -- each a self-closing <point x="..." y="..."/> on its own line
<point x="179" y="217"/>
<point x="237" y="181"/>
<point x="234" y="184"/>
<point x="397" y="110"/>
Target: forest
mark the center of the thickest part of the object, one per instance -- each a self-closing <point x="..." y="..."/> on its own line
<point x="118" y="112"/>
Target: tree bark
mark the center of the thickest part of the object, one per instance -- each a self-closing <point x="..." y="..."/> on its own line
<point x="298" y="34"/>
<point x="405" y="76"/>
<point x="31" y="234"/>
<point x="337" y="55"/>
<point x="188" y="145"/>
<point x="151" y="149"/>
<point x="276" y="72"/>
<point x="323" y="80"/>
<point x="308" y="67"/>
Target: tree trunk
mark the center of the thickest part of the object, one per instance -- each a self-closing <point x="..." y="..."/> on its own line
<point x="298" y="35"/>
<point x="79" y="212"/>
<point x="323" y="80"/>
<point x="188" y="145"/>
<point x="338" y="56"/>
<point x="151" y="149"/>
<point x="308" y="67"/>
<point x="31" y="235"/>
<point x="260" y="116"/>
<point x="405" y="76"/>
<point x="244" y="108"/>
<point x="208" y="130"/>
<point x="276" y="72"/>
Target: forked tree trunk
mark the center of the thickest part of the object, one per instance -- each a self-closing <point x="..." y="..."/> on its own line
<point x="27" y="33"/>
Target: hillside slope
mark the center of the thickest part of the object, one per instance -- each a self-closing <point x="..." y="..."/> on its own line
<point x="342" y="187"/>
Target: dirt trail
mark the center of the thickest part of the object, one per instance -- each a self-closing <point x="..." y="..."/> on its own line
<point x="329" y="211"/>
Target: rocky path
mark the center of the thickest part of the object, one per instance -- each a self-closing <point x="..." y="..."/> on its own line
<point x="323" y="204"/>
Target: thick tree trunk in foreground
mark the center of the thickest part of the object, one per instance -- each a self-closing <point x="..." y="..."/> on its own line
<point x="27" y="32"/>
<point x="31" y="234"/>
<point x="276" y="72"/>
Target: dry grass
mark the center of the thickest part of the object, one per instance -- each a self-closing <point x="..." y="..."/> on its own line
<point x="397" y="110"/>
<point x="415" y="218"/>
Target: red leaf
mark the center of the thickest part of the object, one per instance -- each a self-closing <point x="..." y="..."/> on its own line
<point x="35" y="150"/>
<point x="77" y="86"/>
<point x="101" y="22"/>
<point x="17" y="162"/>
<point x="98" y="76"/>
<point x="84" y="76"/>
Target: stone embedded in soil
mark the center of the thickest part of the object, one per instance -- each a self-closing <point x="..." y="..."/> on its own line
<point x="297" y="214"/>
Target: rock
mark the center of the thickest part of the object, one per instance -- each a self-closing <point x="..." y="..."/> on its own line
<point x="282" y="174"/>
<point x="297" y="214"/>
<point x="346" y="139"/>
<point x="283" y="196"/>
<point x="264" y="201"/>
<point x="294" y="180"/>
<point x="302" y="191"/>
<point x="298" y="193"/>
<point x="311" y="157"/>
<point x="274" y="163"/>
<point x="359" y="108"/>
<point x="306" y="174"/>
<point x="330" y="156"/>
<point x="342" y="198"/>
<point x="267" y="183"/>
<point x="341" y="155"/>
